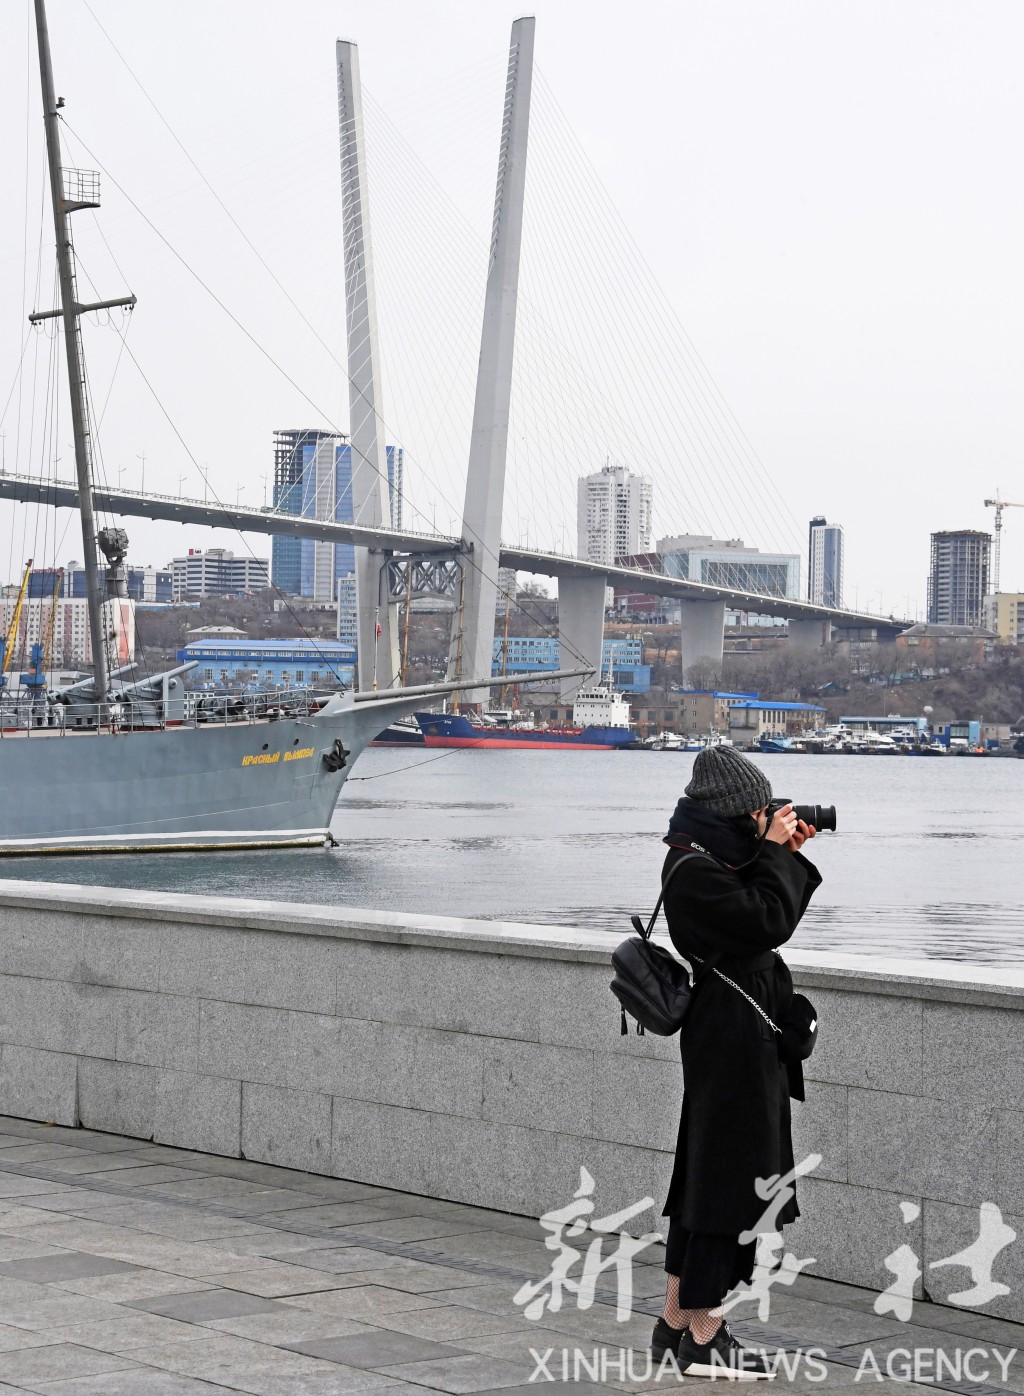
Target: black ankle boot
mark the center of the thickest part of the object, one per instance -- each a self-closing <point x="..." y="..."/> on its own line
<point x="664" y="1339"/>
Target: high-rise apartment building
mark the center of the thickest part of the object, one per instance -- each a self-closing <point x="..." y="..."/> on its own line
<point x="958" y="579"/>
<point x="824" y="562"/>
<point x="728" y="562"/>
<point x="72" y="639"/>
<point x="313" y="479"/>
<point x="613" y="514"/>
<point x="217" y="572"/>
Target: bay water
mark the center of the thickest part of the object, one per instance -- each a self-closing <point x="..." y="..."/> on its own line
<point x="927" y="862"/>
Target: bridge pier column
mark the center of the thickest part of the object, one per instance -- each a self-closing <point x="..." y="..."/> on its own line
<point x="580" y="626"/>
<point x="809" y="634"/>
<point x="702" y="631"/>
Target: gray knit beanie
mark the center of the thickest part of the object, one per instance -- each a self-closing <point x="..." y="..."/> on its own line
<point x="728" y="783"/>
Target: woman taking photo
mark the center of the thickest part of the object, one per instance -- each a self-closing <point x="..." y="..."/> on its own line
<point x="728" y="911"/>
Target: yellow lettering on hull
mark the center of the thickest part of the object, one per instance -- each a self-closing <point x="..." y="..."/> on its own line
<point x="271" y="758"/>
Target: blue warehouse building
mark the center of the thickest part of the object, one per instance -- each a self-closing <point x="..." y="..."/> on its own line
<point x="535" y="652"/>
<point x="321" y="663"/>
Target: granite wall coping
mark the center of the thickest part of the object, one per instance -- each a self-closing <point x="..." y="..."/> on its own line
<point x="941" y="980"/>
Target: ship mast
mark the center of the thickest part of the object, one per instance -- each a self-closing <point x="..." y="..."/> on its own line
<point x="84" y="193"/>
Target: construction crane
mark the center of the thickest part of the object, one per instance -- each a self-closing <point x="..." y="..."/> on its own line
<point x="11" y="637"/>
<point x="42" y="652"/>
<point x="998" y="505"/>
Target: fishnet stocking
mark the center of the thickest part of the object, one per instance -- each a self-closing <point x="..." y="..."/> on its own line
<point x="702" y="1323"/>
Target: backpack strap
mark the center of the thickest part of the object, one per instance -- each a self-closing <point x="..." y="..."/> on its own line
<point x="638" y="925"/>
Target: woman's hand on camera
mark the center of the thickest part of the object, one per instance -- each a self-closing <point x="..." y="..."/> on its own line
<point x="783" y="827"/>
<point x="800" y="835"/>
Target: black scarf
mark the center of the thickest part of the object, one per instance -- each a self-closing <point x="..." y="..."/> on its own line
<point x="734" y="841"/>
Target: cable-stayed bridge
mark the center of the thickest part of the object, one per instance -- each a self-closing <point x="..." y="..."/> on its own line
<point x="464" y="565"/>
<point x="809" y="624"/>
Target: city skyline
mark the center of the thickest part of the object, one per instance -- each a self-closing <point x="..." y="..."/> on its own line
<point x="846" y="398"/>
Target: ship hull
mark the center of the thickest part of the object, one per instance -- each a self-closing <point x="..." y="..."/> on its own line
<point x="240" y="785"/>
<point x="450" y="730"/>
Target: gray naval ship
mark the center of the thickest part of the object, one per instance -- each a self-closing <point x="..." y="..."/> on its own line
<point x="117" y="763"/>
<point x="144" y="771"/>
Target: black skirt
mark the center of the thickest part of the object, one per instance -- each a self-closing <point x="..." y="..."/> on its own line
<point x="708" y="1266"/>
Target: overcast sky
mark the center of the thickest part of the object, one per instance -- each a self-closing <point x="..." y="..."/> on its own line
<point x="828" y="194"/>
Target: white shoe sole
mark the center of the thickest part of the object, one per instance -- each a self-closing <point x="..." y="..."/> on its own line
<point x="721" y="1371"/>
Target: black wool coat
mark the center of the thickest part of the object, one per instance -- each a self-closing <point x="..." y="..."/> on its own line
<point x="735" y="1124"/>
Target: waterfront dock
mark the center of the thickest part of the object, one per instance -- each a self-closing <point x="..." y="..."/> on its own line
<point x="288" y="1103"/>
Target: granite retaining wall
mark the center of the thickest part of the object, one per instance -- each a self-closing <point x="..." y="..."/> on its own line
<point x="482" y="1062"/>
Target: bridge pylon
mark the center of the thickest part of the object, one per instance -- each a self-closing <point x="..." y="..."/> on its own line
<point x="473" y="639"/>
<point x="377" y="615"/>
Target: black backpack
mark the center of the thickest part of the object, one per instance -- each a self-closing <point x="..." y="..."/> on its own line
<point x="650" y="984"/>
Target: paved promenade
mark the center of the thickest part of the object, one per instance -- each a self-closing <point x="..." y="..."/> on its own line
<point x="130" y="1268"/>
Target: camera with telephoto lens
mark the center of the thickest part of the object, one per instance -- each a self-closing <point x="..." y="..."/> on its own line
<point x="819" y="816"/>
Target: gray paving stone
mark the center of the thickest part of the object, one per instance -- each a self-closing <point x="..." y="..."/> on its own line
<point x="56" y="1308"/>
<point x="513" y="1345"/>
<point x="290" y="1325"/>
<point x="78" y="1202"/>
<point x="55" y="1361"/>
<point x="350" y="1258"/>
<point x="379" y="1350"/>
<point x="453" y="1323"/>
<point x="94" y="1140"/>
<point x="202" y="1305"/>
<point x="21" y="1292"/>
<point x="17" y="1185"/>
<point x="173" y="1223"/>
<point x="411" y="1228"/>
<point x="472" y="1372"/>
<point x="826" y="1325"/>
<point x="330" y="1379"/>
<point x="132" y="1330"/>
<point x="130" y="1381"/>
<point x="142" y="1284"/>
<point x="274" y="1279"/>
<point x="71" y="1266"/>
<point x="232" y="1362"/>
<point x="14" y="1338"/>
<point x="370" y="1302"/>
<point x="558" y="1388"/>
